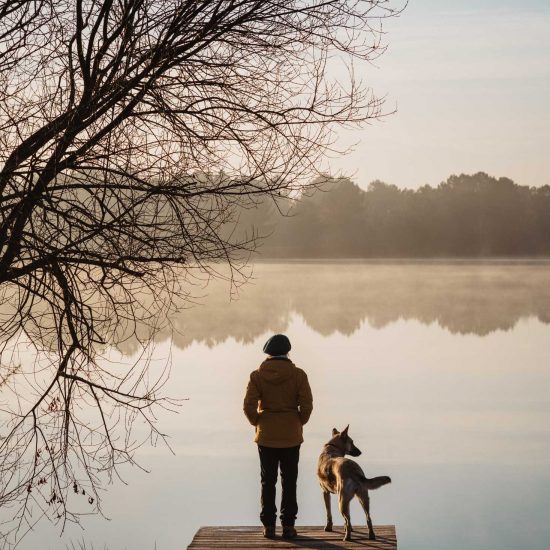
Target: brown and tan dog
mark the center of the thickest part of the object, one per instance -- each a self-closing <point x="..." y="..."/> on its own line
<point x="345" y="478"/>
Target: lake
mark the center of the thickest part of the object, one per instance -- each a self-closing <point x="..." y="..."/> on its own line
<point x="441" y="369"/>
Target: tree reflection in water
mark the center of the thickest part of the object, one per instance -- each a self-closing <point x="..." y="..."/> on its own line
<point x="462" y="297"/>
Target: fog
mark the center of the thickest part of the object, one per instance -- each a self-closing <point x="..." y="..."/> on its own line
<point x="461" y="297"/>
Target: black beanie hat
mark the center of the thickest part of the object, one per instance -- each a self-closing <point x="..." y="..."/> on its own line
<point x="278" y="344"/>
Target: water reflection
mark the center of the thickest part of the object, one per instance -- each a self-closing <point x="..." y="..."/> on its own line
<point x="460" y="422"/>
<point x="464" y="298"/>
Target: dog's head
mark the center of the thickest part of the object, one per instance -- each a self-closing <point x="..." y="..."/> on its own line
<point x="344" y="442"/>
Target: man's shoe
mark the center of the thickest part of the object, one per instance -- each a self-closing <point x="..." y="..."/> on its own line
<point x="289" y="532"/>
<point x="269" y="531"/>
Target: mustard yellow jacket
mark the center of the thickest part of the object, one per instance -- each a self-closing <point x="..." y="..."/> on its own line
<point x="278" y="402"/>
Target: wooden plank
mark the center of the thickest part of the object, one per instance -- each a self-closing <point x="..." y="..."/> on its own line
<point x="251" y="538"/>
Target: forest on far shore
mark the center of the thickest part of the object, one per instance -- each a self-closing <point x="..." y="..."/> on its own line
<point x="467" y="216"/>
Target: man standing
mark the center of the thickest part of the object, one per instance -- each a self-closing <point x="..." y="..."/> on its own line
<point x="278" y="403"/>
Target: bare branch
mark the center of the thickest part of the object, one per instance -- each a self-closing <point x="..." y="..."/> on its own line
<point x="130" y="134"/>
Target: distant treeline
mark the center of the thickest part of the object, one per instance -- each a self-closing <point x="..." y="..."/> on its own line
<point x="465" y="216"/>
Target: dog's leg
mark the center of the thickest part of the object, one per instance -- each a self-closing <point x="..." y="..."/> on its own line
<point x="343" y="504"/>
<point x="363" y="496"/>
<point x="326" y="497"/>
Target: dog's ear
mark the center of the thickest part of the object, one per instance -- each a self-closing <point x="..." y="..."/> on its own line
<point x="344" y="432"/>
<point x="334" y="432"/>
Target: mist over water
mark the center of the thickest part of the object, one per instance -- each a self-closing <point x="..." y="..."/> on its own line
<point x="338" y="297"/>
<point x="441" y="369"/>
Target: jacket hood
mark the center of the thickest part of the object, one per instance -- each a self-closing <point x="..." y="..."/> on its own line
<point x="276" y="371"/>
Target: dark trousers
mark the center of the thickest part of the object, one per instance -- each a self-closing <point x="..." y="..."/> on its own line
<point x="270" y="460"/>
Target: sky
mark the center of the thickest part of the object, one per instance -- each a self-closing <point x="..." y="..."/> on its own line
<point x="471" y="84"/>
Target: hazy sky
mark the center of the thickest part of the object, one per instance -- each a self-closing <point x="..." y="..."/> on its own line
<point x="471" y="82"/>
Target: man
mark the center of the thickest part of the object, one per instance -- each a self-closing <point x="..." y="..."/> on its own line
<point x="278" y="403"/>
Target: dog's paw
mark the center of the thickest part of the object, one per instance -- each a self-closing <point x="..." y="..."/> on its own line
<point x="372" y="536"/>
<point x="328" y="527"/>
<point x="347" y="537"/>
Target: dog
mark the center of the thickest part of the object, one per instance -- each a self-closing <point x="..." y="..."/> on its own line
<point x="344" y="477"/>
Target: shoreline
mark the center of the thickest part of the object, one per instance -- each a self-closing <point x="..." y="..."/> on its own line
<point x="402" y="261"/>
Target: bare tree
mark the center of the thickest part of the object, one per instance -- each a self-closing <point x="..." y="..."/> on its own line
<point x="129" y="131"/>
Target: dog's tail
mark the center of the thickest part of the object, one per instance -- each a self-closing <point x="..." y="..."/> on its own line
<point x="376" y="482"/>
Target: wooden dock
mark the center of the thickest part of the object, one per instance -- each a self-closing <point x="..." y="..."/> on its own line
<point x="250" y="538"/>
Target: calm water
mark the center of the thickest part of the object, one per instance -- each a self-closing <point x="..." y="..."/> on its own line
<point x="441" y="370"/>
